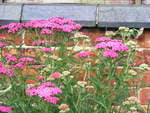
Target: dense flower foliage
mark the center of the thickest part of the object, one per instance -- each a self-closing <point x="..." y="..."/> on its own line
<point x="58" y="76"/>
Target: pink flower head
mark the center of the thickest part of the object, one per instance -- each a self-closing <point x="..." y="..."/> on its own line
<point x="102" y="39"/>
<point x="27" y="59"/>
<point x="101" y="45"/>
<point x="14" y="27"/>
<point x="19" y="65"/>
<point x="48" y="84"/>
<point x="84" y="54"/>
<point x="45" y="91"/>
<point x="56" y="75"/>
<point x="32" y="91"/>
<point x="2" y="44"/>
<point x="3" y="27"/>
<point x="67" y="28"/>
<point x="40" y="78"/>
<point x="120" y="48"/>
<point x="136" y="112"/>
<point x="10" y="58"/>
<point x="8" y="72"/>
<point x="46" y="31"/>
<point x="52" y="100"/>
<point x="1" y="64"/>
<point x="3" y="71"/>
<point x="110" y="54"/>
<point x="5" y="109"/>
<point x="46" y="50"/>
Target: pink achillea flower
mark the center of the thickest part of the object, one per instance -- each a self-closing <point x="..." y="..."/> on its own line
<point x="101" y="45"/>
<point x="40" y="78"/>
<point x="46" y="50"/>
<point x="3" y="27"/>
<point x="32" y="91"/>
<point x="136" y="112"/>
<point x="27" y="59"/>
<point x="2" y="44"/>
<point x="10" y="58"/>
<point x="102" y="39"/>
<point x="84" y="54"/>
<point x="46" y="91"/>
<point x="3" y="71"/>
<point x="52" y="100"/>
<point x="121" y="48"/>
<point x="46" y="31"/>
<point x="116" y="45"/>
<point x="48" y="84"/>
<point x="67" y="28"/>
<point x="19" y="65"/>
<point x="5" y="109"/>
<point x="110" y="54"/>
<point x="1" y="64"/>
<point x="12" y="27"/>
<point x="56" y="75"/>
<point x="55" y="23"/>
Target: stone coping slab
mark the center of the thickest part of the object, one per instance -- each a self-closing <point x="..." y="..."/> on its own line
<point x="10" y="13"/>
<point x="124" y="15"/>
<point x="86" y="14"/>
<point x="83" y="14"/>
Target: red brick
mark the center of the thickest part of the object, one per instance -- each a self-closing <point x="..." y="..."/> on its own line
<point x="140" y="58"/>
<point x="146" y="39"/>
<point x="30" y="81"/>
<point x="12" y="51"/>
<point x="141" y="41"/>
<point x="30" y="52"/>
<point x="93" y="33"/>
<point x="11" y="38"/>
<point x="147" y="56"/>
<point x="29" y="71"/>
<point x="146" y="78"/>
<point x="28" y="41"/>
<point x="144" y="95"/>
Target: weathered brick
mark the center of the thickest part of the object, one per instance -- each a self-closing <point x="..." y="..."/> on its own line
<point x="144" y="95"/>
<point x="11" y="38"/>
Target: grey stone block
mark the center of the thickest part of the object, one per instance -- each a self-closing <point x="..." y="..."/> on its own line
<point x="124" y="15"/>
<point x="10" y="13"/>
<point x="83" y="14"/>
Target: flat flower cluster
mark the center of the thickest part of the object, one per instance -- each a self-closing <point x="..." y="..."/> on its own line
<point x="111" y="47"/>
<point x="48" y="27"/>
<point x="46" y="91"/>
<point x="5" y="109"/>
<point x="6" y="71"/>
<point x="83" y="54"/>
